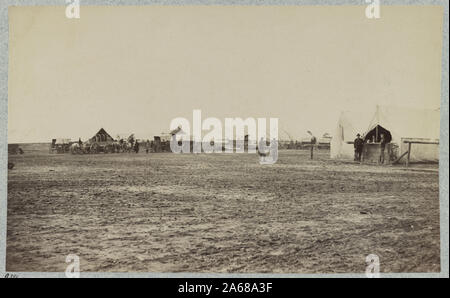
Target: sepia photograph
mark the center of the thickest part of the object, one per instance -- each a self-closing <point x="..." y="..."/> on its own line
<point x="229" y="139"/>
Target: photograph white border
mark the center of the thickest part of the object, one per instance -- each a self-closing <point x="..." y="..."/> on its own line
<point x="443" y="161"/>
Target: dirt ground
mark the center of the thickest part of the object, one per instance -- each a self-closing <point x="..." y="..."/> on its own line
<point x="219" y="213"/>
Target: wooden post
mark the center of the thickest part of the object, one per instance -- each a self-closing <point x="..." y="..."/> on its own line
<point x="409" y="154"/>
<point x="388" y="153"/>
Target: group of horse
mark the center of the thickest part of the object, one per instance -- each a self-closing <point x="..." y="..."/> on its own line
<point x="93" y="147"/>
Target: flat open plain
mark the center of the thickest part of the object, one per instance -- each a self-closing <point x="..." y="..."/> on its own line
<point x="219" y="213"/>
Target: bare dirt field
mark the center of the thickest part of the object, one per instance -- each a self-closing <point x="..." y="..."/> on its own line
<point x="219" y="213"/>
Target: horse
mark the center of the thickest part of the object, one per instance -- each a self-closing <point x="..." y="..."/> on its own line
<point x="85" y="147"/>
<point x="126" y="147"/>
<point x="75" y="148"/>
<point x="94" y="148"/>
<point x="117" y="147"/>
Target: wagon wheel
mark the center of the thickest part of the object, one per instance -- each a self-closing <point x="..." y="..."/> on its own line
<point x="94" y="148"/>
<point x="107" y="149"/>
<point x="85" y="149"/>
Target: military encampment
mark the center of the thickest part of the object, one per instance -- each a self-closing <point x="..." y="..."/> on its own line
<point x="412" y="134"/>
<point x="226" y="140"/>
<point x="312" y="195"/>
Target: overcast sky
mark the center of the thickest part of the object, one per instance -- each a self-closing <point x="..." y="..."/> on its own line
<point x="134" y="69"/>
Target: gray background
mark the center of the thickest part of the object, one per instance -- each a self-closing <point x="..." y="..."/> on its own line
<point x="443" y="168"/>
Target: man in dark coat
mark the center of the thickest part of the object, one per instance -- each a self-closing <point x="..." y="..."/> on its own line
<point x="136" y="146"/>
<point x="313" y="143"/>
<point x="358" y="145"/>
<point x="383" y="142"/>
<point x="147" y="146"/>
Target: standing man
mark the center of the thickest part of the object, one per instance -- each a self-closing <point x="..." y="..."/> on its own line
<point x="358" y="145"/>
<point x="147" y="146"/>
<point x="313" y="143"/>
<point x="274" y="150"/>
<point x="262" y="150"/>
<point x="131" y="142"/>
<point x="80" y="145"/>
<point x="136" y="146"/>
<point x="382" y="147"/>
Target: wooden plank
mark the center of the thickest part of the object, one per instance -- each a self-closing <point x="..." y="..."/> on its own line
<point x="421" y="142"/>
<point x="401" y="156"/>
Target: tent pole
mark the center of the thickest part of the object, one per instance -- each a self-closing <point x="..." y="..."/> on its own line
<point x="378" y="123"/>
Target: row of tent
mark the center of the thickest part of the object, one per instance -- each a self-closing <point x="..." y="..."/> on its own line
<point x="400" y="124"/>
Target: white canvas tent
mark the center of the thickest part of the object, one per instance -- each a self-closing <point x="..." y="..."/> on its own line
<point x="349" y="124"/>
<point x="403" y="124"/>
<point x="61" y="141"/>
